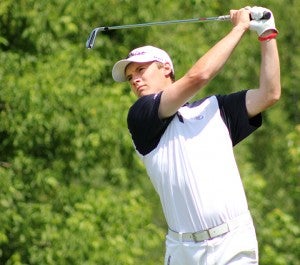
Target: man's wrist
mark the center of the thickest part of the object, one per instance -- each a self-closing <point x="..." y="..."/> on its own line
<point x="268" y="32"/>
<point x="268" y="35"/>
<point x="240" y="29"/>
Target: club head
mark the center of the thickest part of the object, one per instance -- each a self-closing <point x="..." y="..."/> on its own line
<point x="91" y="40"/>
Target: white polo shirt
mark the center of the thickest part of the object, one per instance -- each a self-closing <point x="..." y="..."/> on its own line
<point x="189" y="158"/>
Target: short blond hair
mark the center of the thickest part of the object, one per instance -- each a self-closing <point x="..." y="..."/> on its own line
<point x="160" y="65"/>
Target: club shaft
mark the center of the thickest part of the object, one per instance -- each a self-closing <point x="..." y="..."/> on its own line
<point x="91" y="39"/>
<point x="157" y="23"/>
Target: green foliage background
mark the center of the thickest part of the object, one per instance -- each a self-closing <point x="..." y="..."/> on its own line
<point x="72" y="190"/>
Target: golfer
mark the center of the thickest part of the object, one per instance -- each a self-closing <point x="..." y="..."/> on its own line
<point x="187" y="148"/>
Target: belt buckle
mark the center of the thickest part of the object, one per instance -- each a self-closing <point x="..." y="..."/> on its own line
<point x="200" y="236"/>
<point x="219" y="230"/>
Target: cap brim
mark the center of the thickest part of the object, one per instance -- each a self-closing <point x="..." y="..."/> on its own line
<point x="118" y="71"/>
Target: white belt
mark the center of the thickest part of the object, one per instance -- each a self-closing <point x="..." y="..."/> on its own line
<point x="212" y="232"/>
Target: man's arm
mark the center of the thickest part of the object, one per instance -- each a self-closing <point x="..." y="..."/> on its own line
<point x="174" y="96"/>
<point x="268" y="93"/>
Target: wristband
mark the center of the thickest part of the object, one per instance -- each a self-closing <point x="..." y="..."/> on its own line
<point x="268" y="37"/>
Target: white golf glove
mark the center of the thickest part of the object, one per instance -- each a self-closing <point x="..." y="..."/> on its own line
<point x="259" y="24"/>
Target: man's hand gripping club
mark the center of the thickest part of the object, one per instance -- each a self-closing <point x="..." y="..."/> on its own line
<point x="265" y="28"/>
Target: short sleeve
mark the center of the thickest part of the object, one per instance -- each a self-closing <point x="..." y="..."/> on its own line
<point x="144" y="124"/>
<point x="234" y="113"/>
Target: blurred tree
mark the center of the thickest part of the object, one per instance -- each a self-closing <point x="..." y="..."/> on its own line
<point x="72" y="189"/>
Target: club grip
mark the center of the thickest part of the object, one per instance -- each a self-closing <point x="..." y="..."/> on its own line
<point x="266" y="15"/>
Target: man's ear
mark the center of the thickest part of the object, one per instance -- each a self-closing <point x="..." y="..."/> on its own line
<point x="167" y="69"/>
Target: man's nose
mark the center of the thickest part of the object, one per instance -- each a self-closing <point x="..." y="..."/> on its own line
<point x="136" y="79"/>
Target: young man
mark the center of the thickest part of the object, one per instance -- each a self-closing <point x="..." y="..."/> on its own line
<point x="187" y="147"/>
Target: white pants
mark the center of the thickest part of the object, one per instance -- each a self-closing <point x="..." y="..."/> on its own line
<point x="236" y="247"/>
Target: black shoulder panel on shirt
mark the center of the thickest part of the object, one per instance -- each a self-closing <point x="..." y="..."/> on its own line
<point x="144" y="124"/>
<point x="234" y="114"/>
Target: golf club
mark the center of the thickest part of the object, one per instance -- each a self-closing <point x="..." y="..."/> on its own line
<point x="91" y="40"/>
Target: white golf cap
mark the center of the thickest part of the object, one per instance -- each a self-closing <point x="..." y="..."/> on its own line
<point x="140" y="55"/>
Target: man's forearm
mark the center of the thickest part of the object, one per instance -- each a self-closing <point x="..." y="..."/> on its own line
<point x="214" y="60"/>
<point x="270" y="69"/>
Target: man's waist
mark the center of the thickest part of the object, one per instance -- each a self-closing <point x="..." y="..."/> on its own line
<point x="211" y="232"/>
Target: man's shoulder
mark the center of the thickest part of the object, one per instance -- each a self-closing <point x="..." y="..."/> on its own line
<point x="145" y="102"/>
